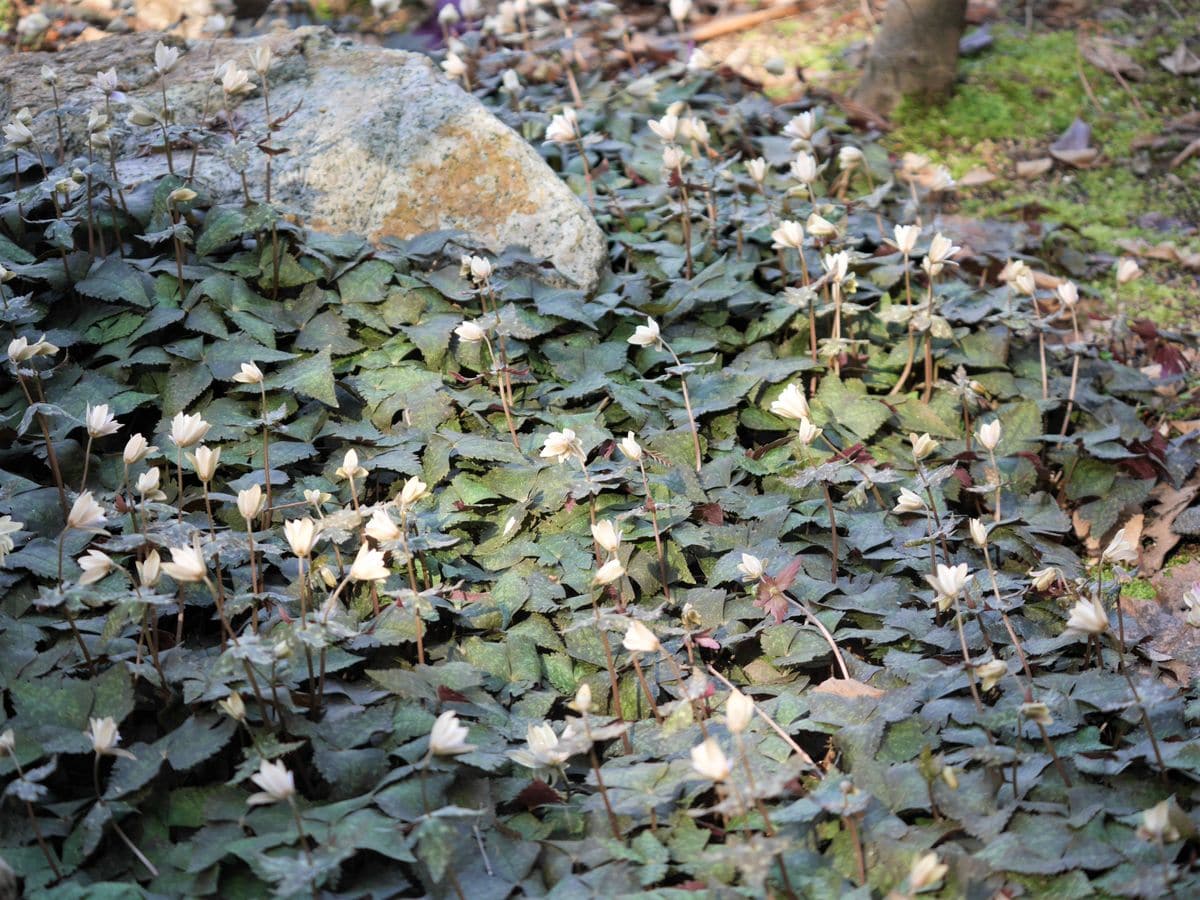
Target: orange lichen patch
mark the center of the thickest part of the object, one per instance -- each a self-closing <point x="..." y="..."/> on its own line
<point x="456" y="192"/>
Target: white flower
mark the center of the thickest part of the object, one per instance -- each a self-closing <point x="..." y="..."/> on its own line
<point x="837" y="265"/>
<point x="1067" y="293"/>
<point x="941" y="248"/>
<point x="148" y="484"/>
<point x="481" y="269"/>
<point x="979" y="532"/>
<point x="804" y="168"/>
<point x="561" y="130"/>
<point x="698" y="61"/>
<point x="18" y="134"/>
<point x="819" y="226"/>
<point x="543" y="749"/>
<point x="694" y="129"/>
<point x="188" y="430"/>
<point x="922" y="445"/>
<point x="150" y="569"/>
<point x="448" y="736"/>
<point x="137" y="448"/>
<point x="250" y="502"/>
<point x="751" y="567"/>
<point x="906" y="238"/>
<point x="368" y="565"/>
<point x="249" y="374"/>
<point x="186" y="565"/>
<point x="989" y="434"/>
<point x="1019" y="276"/>
<point x="1037" y="712"/>
<point x="236" y="81"/>
<point x="639" y="639"/>
<point x="563" y="445"/>
<point x="667" y="128"/>
<point x="469" y="332"/>
<point x="141" y="117"/>
<point x="20" y="350"/>
<point x="8" y="527"/>
<point x="510" y="82"/>
<point x="948" y="583"/>
<point x="181" y="195"/>
<point x="165" y="58"/>
<point x="86" y="514"/>
<point x="927" y="871"/>
<point x="8" y="743"/>
<point x="757" y="169"/>
<point x="802" y="127"/>
<point x="607" y="535"/>
<point x="1165" y="822"/>
<point x="301" y="534"/>
<point x="414" y="489"/>
<point x="807" y="432"/>
<point x="582" y="703"/>
<point x="317" y="498"/>
<point x="1128" y="270"/>
<point x="453" y="65"/>
<point x="105" y="82"/>
<point x="739" y="711"/>
<point x="673" y="158"/>
<point x="991" y="672"/>
<point x="789" y="234"/>
<point x="1088" y="617"/>
<point x="849" y="157"/>
<point x="679" y="10"/>
<point x="260" y="59"/>
<point x="647" y="335"/>
<point x="277" y="783"/>
<point x="350" y="468"/>
<point x="709" y="761"/>
<point x="1043" y="578"/>
<point x="630" y="447"/>
<point x="95" y="566"/>
<point x="104" y="736"/>
<point x="100" y="422"/>
<point x="204" y="461"/>
<point x="1121" y="550"/>
<point x="609" y="572"/>
<point x="233" y="706"/>
<point x="909" y="502"/>
<point x="381" y="527"/>
<point x="791" y="404"/>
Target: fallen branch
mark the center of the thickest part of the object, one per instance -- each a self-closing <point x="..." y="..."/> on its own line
<point x="733" y="24"/>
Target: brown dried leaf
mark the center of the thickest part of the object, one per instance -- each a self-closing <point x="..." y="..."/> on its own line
<point x="1106" y="56"/>
<point x="1180" y="61"/>
<point x="1170" y="502"/>
<point x="1032" y="168"/>
<point x="847" y="687"/>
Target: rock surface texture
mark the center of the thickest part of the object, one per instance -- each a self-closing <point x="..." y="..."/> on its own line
<point x="378" y="142"/>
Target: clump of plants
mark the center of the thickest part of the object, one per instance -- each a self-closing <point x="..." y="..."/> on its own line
<point x="339" y="568"/>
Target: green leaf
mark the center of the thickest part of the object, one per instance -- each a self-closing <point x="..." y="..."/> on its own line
<point x="115" y="279"/>
<point x="310" y="376"/>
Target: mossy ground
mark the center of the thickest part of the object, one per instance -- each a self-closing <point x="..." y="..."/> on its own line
<point x="1013" y="100"/>
<point x="1016" y="98"/>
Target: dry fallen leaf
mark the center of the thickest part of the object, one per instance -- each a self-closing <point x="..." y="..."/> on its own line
<point x="1032" y="168"/>
<point x="1106" y="56"/>
<point x="1170" y="502"/>
<point x="1164" y="250"/>
<point x="1180" y="61"/>
<point x="847" y="687"/>
<point x="976" y="177"/>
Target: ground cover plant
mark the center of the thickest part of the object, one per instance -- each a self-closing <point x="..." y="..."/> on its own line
<point x="788" y="562"/>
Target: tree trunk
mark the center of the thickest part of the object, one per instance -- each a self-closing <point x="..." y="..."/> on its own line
<point x="915" y="53"/>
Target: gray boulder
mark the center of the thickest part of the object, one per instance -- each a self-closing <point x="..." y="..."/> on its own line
<point x="379" y="142"/>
